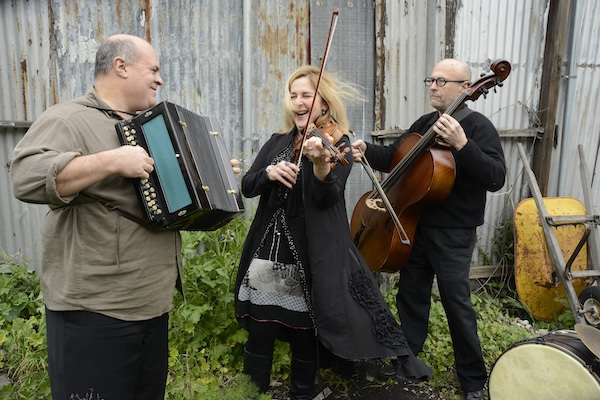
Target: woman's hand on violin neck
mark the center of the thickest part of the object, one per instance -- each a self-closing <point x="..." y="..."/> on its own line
<point x="284" y="172"/>
<point x="358" y="150"/>
<point x="316" y="152"/>
<point x="319" y="155"/>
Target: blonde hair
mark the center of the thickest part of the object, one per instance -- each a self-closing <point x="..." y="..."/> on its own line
<point x="333" y="92"/>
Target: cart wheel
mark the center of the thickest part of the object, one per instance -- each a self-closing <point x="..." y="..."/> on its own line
<point x="590" y="302"/>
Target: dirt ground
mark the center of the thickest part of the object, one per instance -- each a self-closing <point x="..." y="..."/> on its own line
<point x="364" y="385"/>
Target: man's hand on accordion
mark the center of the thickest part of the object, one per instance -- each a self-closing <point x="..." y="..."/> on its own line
<point x="133" y="162"/>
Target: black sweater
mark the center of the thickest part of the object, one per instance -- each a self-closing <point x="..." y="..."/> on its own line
<point x="480" y="167"/>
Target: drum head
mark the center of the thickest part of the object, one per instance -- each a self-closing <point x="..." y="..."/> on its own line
<point x="536" y="371"/>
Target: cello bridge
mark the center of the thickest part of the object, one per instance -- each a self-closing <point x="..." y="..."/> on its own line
<point x="375" y="205"/>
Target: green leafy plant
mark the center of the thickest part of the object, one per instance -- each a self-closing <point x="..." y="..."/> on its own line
<point x="206" y="342"/>
<point x="23" y="350"/>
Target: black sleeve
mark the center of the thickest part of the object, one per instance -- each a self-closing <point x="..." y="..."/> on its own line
<point x="482" y="158"/>
<point x="256" y="182"/>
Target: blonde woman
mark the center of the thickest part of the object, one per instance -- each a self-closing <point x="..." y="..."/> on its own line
<point x="301" y="279"/>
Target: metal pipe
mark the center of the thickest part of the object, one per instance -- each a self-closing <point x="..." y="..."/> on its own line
<point x="246" y="156"/>
<point x="569" y="99"/>
<point x="15" y="124"/>
<point x="247" y="84"/>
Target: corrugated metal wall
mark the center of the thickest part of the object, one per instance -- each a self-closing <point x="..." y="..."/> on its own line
<point x="385" y="46"/>
<point x="50" y="48"/>
<point x="514" y="30"/>
<point x="413" y="35"/>
<point x="579" y="122"/>
<point x="25" y="90"/>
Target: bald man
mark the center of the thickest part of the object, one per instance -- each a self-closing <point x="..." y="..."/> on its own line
<point x="107" y="281"/>
<point x="446" y="233"/>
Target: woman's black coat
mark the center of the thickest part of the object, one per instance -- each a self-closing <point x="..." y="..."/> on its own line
<point x="352" y="319"/>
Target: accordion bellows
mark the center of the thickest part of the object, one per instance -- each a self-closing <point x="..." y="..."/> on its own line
<point x="193" y="186"/>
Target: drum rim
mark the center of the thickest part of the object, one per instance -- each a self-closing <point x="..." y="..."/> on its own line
<point x="537" y="341"/>
<point x="566" y="332"/>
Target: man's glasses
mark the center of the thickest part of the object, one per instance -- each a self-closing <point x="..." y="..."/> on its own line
<point x="440" y="81"/>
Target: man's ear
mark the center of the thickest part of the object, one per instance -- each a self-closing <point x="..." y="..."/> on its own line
<point x="120" y="67"/>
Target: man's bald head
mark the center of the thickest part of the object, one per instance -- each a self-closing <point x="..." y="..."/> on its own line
<point x="459" y="68"/>
<point x="120" y="45"/>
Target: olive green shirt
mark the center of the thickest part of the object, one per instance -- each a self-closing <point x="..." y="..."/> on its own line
<point x="92" y="259"/>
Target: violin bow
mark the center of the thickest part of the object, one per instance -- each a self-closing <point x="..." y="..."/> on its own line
<point x="332" y="26"/>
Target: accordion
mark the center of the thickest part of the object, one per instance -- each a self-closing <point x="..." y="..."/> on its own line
<point x="193" y="186"/>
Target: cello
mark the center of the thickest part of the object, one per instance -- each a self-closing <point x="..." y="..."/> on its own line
<point x="421" y="176"/>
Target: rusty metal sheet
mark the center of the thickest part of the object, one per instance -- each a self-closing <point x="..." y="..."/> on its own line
<point x="533" y="266"/>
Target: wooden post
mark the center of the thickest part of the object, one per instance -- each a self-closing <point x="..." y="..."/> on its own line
<point x="550" y="84"/>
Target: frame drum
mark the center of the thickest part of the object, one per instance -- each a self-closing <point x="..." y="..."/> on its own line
<point x="554" y="366"/>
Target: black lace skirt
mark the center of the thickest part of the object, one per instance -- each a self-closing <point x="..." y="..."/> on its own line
<point x="353" y="320"/>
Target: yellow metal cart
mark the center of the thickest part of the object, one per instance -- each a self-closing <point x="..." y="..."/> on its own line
<point x="556" y="252"/>
<point x="536" y="280"/>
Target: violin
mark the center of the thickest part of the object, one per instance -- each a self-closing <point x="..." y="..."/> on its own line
<point x="328" y="126"/>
